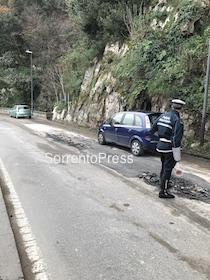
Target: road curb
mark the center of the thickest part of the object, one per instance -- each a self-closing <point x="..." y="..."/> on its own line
<point x="10" y="266"/>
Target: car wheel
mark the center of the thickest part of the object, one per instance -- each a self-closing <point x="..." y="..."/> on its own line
<point x="101" y="139"/>
<point x="136" y="148"/>
<point x="29" y="117"/>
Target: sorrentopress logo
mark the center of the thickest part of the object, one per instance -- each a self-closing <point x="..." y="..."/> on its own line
<point x="93" y="159"/>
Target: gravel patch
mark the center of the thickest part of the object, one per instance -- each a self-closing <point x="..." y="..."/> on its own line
<point x="179" y="187"/>
<point x="77" y="142"/>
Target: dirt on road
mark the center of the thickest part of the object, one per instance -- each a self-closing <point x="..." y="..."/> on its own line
<point x="180" y="186"/>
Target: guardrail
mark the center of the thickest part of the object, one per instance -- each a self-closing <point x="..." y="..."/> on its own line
<point x="36" y="114"/>
<point x="43" y="115"/>
<point x="4" y="110"/>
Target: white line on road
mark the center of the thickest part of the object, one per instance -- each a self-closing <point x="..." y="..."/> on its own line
<point x="29" y="242"/>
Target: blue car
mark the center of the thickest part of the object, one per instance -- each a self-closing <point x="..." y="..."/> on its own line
<point x="130" y="129"/>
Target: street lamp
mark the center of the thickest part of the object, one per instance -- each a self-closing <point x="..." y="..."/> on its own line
<point x="32" y="95"/>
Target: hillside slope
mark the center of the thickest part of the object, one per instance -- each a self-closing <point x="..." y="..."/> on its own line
<point x="165" y="57"/>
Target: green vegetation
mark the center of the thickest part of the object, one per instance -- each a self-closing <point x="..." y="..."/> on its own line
<point x="168" y="48"/>
<point x="61" y="105"/>
<point x="200" y="151"/>
<point x="170" y="61"/>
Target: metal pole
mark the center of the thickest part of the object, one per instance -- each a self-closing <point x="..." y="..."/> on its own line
<point x="205" y="100"/>
<point x="32" y="95"/>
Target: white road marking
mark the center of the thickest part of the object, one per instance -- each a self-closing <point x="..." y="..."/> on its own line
<point x="30" y="245"/>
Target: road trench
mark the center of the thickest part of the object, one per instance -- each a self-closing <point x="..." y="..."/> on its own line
<point x="181" y="186"/>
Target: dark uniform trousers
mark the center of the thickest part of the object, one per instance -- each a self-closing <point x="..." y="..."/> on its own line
<point x="168" y="164"/>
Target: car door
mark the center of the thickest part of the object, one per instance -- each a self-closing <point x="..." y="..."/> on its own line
<point x="125" y="131"/>
<point x="111" y="128"/>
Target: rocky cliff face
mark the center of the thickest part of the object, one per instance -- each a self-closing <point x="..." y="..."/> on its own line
<point x="99" y="100"/>
<point x="100" y="97"/>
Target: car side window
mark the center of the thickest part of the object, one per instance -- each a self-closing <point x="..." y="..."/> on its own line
<point x="128" y="119"/>
<point x="138" y="121"/>
<point x="116" y="119"/>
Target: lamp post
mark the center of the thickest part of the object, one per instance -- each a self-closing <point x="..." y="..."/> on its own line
<point x="32" y="95"/>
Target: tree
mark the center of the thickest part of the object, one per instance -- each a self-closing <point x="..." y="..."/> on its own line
<point x="103" y="20"/>
<point x="10" y="32"/>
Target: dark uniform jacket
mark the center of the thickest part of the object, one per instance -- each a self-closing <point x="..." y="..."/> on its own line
<point x="170" y="131"/>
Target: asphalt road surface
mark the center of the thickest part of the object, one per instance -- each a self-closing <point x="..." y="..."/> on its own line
<point x="81" y="212"/>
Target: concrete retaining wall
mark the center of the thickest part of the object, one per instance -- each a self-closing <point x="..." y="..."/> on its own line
<point x="36" y="114"/>
<point x="4" y="110"/>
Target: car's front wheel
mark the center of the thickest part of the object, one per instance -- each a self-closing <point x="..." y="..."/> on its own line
<point x="101" y="138"/>
<point x="136" y="148"/>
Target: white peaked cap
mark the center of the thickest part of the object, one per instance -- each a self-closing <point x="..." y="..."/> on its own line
<point x="178" y="101"/>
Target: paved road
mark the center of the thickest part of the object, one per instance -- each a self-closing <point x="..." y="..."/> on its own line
<point x="80" y="220"/>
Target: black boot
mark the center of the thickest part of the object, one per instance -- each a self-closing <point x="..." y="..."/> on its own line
<point x="164" y="193"/>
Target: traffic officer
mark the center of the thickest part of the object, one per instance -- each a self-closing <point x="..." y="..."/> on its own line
<point x="169" y="127"/>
